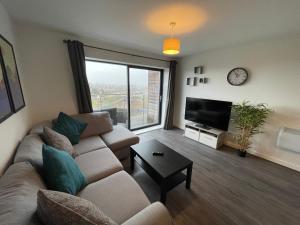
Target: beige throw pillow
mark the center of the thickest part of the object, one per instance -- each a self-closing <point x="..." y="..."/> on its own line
<point x="58" y="208"/>
<point x="58" y="141"/>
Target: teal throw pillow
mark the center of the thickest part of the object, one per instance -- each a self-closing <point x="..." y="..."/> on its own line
<point x="69" y="127"/>
<point x="61" y="172"/>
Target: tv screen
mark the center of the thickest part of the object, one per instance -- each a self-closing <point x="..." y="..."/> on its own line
<point x="208" y="113"/>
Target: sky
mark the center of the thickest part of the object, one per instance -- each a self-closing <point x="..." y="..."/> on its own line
<point x="109" y="74"/>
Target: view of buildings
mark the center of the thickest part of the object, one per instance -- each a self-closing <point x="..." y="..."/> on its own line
<point x="109" y="91"/>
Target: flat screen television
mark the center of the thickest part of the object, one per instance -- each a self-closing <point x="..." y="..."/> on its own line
<point x="208" y="113"/>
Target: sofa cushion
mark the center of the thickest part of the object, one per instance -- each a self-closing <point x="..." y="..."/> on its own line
<point x="98" y="164"/>
<point x="118" y="196"/>
<point x="61" y="172"/>
<point x="58" y="141"/>
<point x="18" y="194"/>
<point x="39" y="128"/>
<point x="89" y="144"/>
<point x="70" y="127"/>
<point x="157" y="212"/>
<point x="119" y="138"/>
<point x="64" y="209"/>
<point x="123" y="153"/>
<point x="98" y="123"/>
<point x="30" y="149"/>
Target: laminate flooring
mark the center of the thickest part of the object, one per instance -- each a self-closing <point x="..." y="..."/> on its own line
<point x="226" y="189"/>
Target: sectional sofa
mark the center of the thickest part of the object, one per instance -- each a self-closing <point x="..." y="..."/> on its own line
<point x="101" y="151"/>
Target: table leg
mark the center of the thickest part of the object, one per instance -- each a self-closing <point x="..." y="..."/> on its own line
<point x="189" y="177"/>
<point x="163" y="193"/>
<point x="132" y="155"/>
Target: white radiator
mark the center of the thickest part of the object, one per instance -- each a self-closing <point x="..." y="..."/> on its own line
<point x="289" y="139"/>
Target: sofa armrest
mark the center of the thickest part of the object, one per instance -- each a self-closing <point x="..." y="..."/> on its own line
<point x="154" y="214"/>
<point x="120" y="137"/>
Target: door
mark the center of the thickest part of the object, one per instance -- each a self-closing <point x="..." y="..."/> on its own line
<point x="109" y="89"/>
<point x="131" y="94"/>
<point x="145" y="97"/>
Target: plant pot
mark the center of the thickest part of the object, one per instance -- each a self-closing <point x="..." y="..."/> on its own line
<point x="242" y="153"/>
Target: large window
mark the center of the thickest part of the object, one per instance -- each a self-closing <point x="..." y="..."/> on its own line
<point x="131" y="94"/>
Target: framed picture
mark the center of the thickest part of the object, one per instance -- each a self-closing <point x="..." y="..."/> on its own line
<point x="198" y="70"/>
<point x="5" y="103"/>
<point x="12" y="76"/>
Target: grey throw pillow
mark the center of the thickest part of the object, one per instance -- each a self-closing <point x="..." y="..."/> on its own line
<point x="58" y="141"/>
<point x="58" y="208"/>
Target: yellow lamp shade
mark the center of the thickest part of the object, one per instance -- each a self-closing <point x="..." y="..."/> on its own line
<point x="171" y="46"/>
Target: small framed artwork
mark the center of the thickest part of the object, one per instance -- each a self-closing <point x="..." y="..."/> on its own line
<point x="198" y="69"/>
<point x="191" y="81"/>
<point x="188" y="81"/>
<point x="5" y="103"/>
<point x="12" y="76"/>
<point x="194" y="81"/>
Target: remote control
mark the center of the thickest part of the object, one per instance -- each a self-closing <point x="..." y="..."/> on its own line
<point x="158" y="153"/>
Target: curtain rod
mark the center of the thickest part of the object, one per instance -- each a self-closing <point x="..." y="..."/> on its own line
<point x="124" y="53"/>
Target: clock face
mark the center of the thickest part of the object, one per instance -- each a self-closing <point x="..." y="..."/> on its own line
<point x="237" y="76"/>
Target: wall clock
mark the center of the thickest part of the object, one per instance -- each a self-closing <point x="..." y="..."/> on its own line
<point x="237" y="76"/>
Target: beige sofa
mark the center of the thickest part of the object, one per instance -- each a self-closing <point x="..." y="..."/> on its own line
<point x="109" y="187"/>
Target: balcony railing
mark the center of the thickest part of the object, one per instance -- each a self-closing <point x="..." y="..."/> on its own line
<point x="139" y="107"/>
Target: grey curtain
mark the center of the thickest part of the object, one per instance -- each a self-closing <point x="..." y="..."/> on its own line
<point x="77" y="59"/>
<point x="170" y="99"/>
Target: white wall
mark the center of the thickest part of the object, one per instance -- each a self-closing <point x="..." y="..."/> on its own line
<point x="48" y="71"/>
<point x="274" y="78"/>
<point x="274" y="67"/>
<point x="13" y="129"/>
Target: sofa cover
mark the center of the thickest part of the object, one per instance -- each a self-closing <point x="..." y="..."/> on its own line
<point x="98" y="164"/>
<point x="113" y="190"/>
<point x="119" y="141"/>
<point x="18" y="194"/>
<point x="30" y="150"/>
<point x="118" y="196"/>
<point x="89" y="144"/>
<point x="116" y="138"/>
<point x="157" y="212"/>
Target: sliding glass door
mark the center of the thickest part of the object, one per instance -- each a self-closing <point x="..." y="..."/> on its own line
<point x="109" y="89"/>
<point x="131" y="94"/>
<point x="145" y="97"/>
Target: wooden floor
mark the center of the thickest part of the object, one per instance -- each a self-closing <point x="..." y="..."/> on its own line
<point x="226" y="189"/>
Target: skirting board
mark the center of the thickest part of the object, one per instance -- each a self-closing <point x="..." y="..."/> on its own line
<point x="264" y="156"/>
<point x="275" y="160"/>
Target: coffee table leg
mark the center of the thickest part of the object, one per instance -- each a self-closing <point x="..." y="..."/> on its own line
<point x="132" y="155"/>
<point x="163" y="193"/>
<point x="189" y="177"/>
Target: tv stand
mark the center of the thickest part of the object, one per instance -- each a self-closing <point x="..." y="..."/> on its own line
<point x="203" y="126"/>
<point x="205" y="135"/>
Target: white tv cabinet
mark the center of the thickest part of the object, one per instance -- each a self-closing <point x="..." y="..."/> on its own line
<point x="211" y="137"/>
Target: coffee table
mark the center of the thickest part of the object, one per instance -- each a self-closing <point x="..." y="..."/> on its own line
<point x="166" y="170"/>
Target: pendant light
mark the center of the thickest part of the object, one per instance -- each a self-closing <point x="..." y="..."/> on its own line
<point x="171" y="46"/>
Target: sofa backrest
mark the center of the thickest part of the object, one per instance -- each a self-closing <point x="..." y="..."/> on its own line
<point x="18" y="195"/>
<point x="30" y="150"/>
<point x="39" y="128"/>
<point x="98" y="123"/>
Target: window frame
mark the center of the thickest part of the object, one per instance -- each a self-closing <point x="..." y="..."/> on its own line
<point x="128" y="89"/>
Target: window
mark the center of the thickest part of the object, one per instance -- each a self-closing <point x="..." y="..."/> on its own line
<point x="131" y="94"/>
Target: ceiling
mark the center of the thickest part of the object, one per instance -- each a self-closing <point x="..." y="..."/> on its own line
<point x="142" y="24"/>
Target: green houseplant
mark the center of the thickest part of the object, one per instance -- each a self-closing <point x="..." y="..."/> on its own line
<point x="248" y="119"/>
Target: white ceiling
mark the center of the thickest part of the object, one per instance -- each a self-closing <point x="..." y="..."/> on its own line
<point x="142" y="24"/>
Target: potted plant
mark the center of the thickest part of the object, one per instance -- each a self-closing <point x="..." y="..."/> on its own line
<point x="248" y="119"/>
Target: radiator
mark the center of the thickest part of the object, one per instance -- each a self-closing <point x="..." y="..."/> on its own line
<point x="289" y="139"/>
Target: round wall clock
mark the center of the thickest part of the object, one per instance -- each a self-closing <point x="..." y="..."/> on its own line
<point x="237" y="76"/>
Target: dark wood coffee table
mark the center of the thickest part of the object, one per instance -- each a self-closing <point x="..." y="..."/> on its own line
<point x="166" y="170"/>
